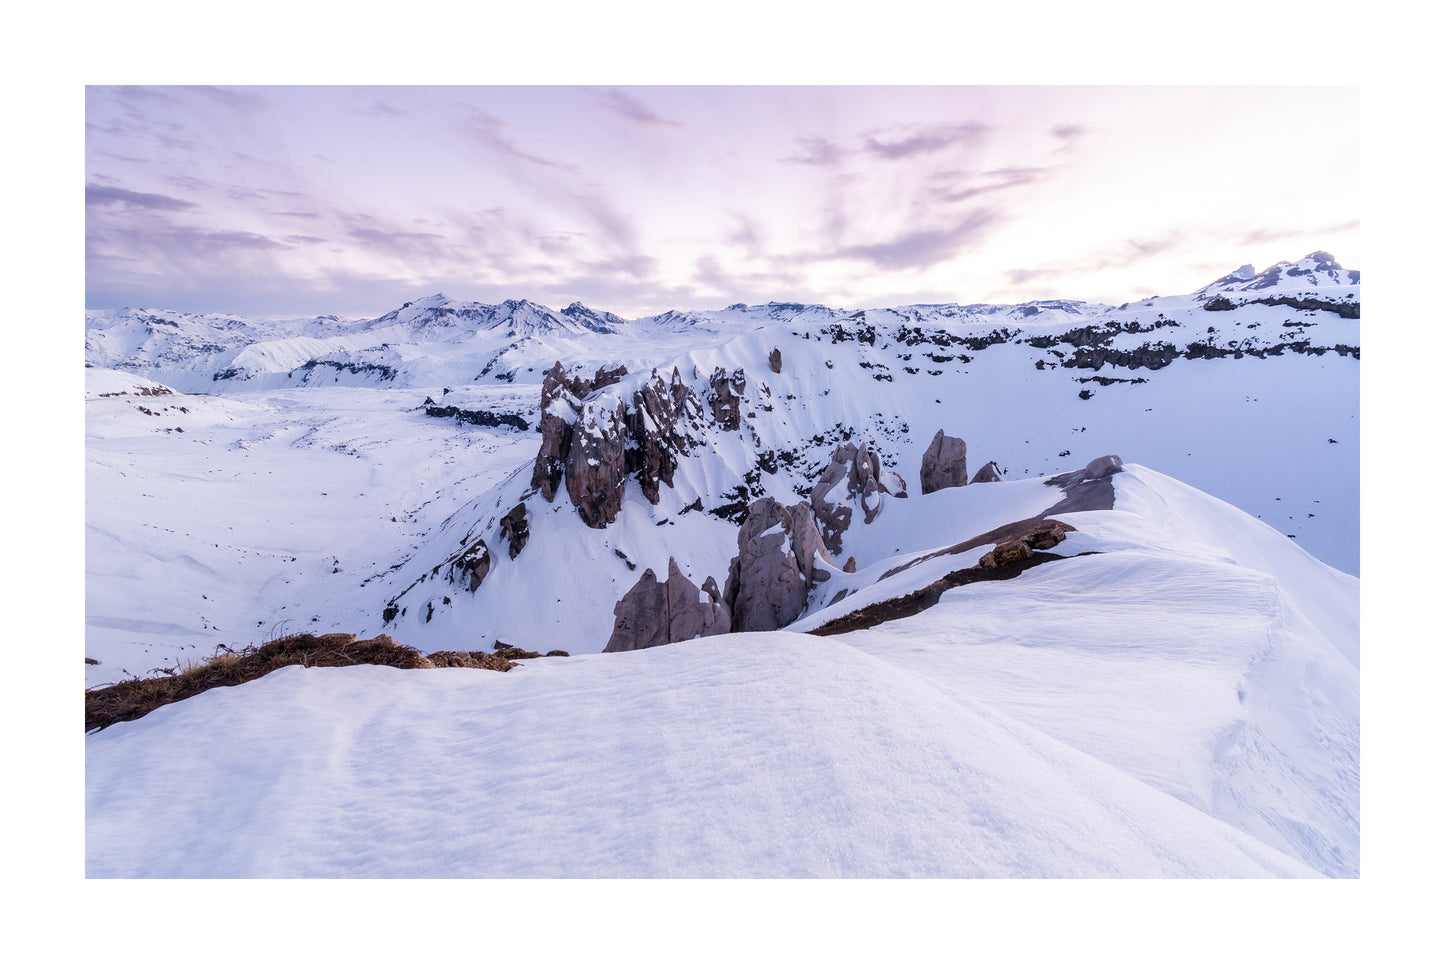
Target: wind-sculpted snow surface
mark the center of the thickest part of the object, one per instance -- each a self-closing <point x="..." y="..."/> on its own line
<point x="1175" y="698"/>
<point x="766" y="755"/>
<point x="1175" y="675"/>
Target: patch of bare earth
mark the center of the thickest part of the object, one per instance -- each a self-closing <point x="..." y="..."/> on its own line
<point x="1017" y="548"/>
<point x="133" y="698"/>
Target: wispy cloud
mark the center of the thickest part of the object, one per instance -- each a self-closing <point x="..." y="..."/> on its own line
<point x="102" y="195"/>
<point x="380" y="108"/>
<point x="200" y="237"/>
<point x="489" y="132"/>
<point x="633" y="109"/>
<point x="954" y="186"/>
<point x="813" y="149"/>
<point x="229" y="97"/>
<point x="925" y="248"/>
<point x="924" y="139"/>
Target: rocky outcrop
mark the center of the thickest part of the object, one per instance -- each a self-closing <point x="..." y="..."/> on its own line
<point x="1089" y="488"/>
<point x="559" y="412"/>
<point x="775" y="361"/>
<point x="656" y="424"/>
<point x="1017" y="547"/>
<point x="515" y="529"/>
<point x="781" y="558"/>
<point x="475" y="417"/>
<point x="989" y="473"/>
<point x="724" y="396"/>
<point x="945" y="464"/>
<point x="561" y="406"/>
<point x="854" y="477"/>
<point x="471" y="566"/>
<point x="592" y="439"/>
<point x="596" y="466"/>
<point x="1102" y="466"/>
<point x="657" y="613"/>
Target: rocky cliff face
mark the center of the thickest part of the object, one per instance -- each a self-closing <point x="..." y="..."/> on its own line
<point x="657" y="613"/>
<point x="594" y="439"/>
<point x="657" y="424"/>
<point x="781" y="558"/>
<point x="854" y="479"/>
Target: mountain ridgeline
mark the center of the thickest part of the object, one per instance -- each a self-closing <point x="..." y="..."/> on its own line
<point x="753" y="454"/>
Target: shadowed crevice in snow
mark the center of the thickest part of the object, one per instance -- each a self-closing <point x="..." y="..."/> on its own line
<point x="1017" y="549"/>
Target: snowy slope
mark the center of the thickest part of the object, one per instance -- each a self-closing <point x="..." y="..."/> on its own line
<point x="1183" y="681"/>
<point x="320" y="450"/>
<point x="1181" y="707"/>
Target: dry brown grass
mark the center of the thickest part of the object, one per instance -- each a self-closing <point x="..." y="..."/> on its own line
<point x="133" y="698"/>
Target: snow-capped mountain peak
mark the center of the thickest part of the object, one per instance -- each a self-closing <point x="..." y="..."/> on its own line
<point x="1316" y="273"/>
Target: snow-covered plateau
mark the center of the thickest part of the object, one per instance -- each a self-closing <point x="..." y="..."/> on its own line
<point x="1046" y="590"/>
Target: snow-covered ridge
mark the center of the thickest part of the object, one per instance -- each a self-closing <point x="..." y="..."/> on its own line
<point x="437" y="340"/>
<point x="1178" y="679"/>
<point x="1176" y="671"/>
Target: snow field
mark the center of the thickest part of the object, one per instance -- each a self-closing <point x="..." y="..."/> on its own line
<point x="743" y="756"/>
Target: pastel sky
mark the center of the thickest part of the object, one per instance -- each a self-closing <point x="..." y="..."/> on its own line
<point x="351" y="200"/>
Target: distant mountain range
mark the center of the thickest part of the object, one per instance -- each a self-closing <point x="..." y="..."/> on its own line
<point x="985" y="568"/>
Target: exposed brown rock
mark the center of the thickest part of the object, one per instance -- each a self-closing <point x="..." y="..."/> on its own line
<point x="781" y="557"/>
<point x="591" y="442"/>
<point x="1088" y="489"/>
<point x="775" y="361"/>
<point x="596" y="466"/>
<point x="1017" y="548"/>
<point x="866" y="481"/>
<point x="656" y="425"/>
<point x="1005" y="553"/>
<point x="470" y="660"/>
<point x="604" y="378"/>
<point x="471" y="566"/>
<point x="725" y="398"/>
<point x="1102" y="466"/>
<point x="656" y="614"/>
<point x="515" y="529"/>
<point x="945" y="464"/>
<point x="559" y="411"/>
<point x="989" y="473"/>
<point x="832" y="507"/>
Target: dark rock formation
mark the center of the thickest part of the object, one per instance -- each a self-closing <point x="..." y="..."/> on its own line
<point x="989" y="473"/>
<point x="945" y="464"/>
<point x="656" y="424"/>
<point x="561" y="405"/>
<point x="725" y="398"/>
<point x="1005" y="553"/>
<point x="1089" y="488"/>
<point x="1102" y="466"/>
<point x="596" y="463"/>
<point x="593" y="440"/>
<point x="781" y="557"/>
<point x="775" y="361"/>
<point x="515" y="529"/>
<point x="854" y="476"/>
<point x="475" y="417"/>
<point x="1017" y="547"/>
<point x="471" y="566"/>
<point x="655" y="614"/>
<point x="559" y="412"/>
<point x="446" y="659"/>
